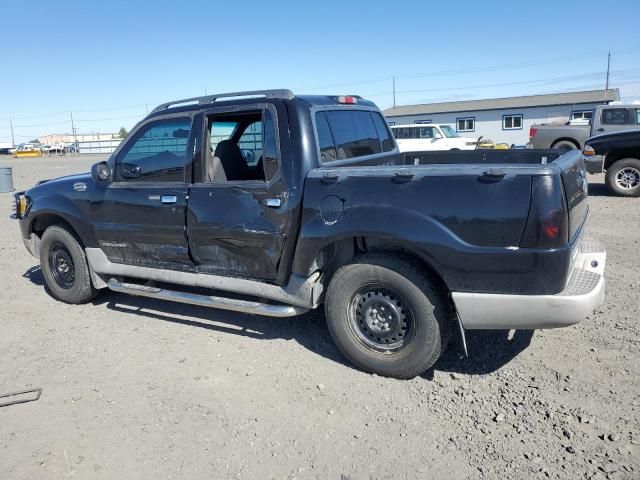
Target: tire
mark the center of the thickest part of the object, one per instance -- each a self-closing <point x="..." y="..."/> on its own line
<point x="623" y="177"/>
<point x="64" y="267"/>
<point x="565" y="145"/>
<point x="419" y="321"/>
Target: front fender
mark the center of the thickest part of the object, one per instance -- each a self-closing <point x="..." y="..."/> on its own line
<point x="45" y="209"/>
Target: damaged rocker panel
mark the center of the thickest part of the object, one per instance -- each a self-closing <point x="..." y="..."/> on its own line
<point x="300" y="291"/>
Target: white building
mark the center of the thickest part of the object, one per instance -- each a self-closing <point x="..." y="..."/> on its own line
<point x="504" y="120"/>
<point x="53" y="138"/>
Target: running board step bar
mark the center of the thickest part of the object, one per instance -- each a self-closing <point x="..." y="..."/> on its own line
<point x="244" y="306"/>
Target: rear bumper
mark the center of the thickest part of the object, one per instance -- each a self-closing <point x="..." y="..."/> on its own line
<point x="584" y="292"/>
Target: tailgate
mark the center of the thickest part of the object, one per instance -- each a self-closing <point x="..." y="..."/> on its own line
<point x="574" y="179"/>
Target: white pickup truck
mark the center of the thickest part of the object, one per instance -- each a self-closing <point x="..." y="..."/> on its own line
<point x="419" y="138"/>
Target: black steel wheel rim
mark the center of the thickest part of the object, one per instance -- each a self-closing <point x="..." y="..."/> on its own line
<point x="381" y="318"/>
<point x="61" y="265"/>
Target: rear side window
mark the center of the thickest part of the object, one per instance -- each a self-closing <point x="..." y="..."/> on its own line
<point x="344" y="134"/>
<point x="614" y="116"/>
<point x="383" y="132"/>
<point x="157" y="154"/>
<point x="327" y="145"/>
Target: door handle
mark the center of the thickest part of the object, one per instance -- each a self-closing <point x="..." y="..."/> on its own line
<point x="168" y="199"/>
<point x="272" y="202"/>
<point x="601" y="129"/>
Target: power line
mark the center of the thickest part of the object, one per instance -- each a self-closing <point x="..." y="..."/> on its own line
<point x="548" y="81"/>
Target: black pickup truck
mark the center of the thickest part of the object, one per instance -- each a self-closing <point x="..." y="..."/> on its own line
<point x="286" y="203"/>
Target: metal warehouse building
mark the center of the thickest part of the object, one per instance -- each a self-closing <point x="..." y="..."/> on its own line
<point x="504" y="119"/>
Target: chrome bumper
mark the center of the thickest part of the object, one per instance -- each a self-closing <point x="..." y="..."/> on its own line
<point x="584" y="292"/>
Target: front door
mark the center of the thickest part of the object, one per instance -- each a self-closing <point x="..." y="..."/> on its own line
<point x="238" y="214"/>
<point x="140" y="216"/>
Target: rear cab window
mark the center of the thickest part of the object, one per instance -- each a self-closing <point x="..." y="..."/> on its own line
<point x="614" y="116"/>
<point x="345" y="134"/>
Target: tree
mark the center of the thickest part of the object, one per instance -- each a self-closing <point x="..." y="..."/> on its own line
<point x="122" y="133"/>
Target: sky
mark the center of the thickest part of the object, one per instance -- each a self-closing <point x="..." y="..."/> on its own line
<point x="110" y="62"/>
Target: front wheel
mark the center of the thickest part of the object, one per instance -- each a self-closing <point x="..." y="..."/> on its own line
<point x="387" y="316"/>
<point x="64" y="267"/>
<point x="623" y="177"/>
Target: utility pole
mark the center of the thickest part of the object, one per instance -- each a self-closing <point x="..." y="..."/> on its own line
<point x="146" y="107"/>
<point x="394" y="91"/>
<point x="73" y="131"/>
<point x="606" y="87"/>
<point x="13" y="141"/>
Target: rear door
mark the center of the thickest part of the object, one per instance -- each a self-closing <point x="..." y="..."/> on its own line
<point x="238" y="214"/>
<point x="140" y="216"/>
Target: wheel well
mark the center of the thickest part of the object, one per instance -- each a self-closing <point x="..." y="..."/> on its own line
<point x="565" y="139"/>
<point x="339" y="253"/>
<point x="614" y="156"/>
<point x="46" y="220"/>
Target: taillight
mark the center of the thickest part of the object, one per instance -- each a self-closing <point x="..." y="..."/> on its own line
<point x="548" y="222"/>
<point x="552" y="224"/>
<point x="532" y="133"/>
<point x="347" y="99"/>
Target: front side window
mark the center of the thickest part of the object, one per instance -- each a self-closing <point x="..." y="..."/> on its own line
<point x="448" y="131"/>
<point x="158" y="153"/>
<point x="512" y="122"/>
<point x="614" y="116"/>
<point x="465" y="124"/>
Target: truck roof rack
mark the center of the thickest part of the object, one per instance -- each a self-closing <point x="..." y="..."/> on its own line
<point x="282" y="93"/>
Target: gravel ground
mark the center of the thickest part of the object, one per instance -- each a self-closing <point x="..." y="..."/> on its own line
<point x="137" y="388"/>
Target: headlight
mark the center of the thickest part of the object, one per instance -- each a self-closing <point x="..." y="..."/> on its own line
<point x="20" y="205"/>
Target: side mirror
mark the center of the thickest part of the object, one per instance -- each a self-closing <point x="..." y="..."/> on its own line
<point x="437" y="135"/>
<point x="101" y="172"/>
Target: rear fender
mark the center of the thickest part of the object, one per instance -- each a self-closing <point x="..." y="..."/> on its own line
<point x="414" y="232"/>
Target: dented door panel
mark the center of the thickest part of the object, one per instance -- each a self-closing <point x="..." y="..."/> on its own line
<point x="232" y="232"/>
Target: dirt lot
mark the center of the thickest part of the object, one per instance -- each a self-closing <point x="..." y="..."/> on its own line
<point x="136" y="388"/>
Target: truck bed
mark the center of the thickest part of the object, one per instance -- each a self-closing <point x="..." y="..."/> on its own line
<point x="468" y="212"/>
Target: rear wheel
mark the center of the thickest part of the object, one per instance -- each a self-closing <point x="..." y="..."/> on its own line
<point x="64" y="266"/>
<point x="387" y="316"/>
<point x="565" y="145"/>
<point x="623" y="177"/>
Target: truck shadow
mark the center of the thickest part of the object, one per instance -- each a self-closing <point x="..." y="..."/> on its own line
<point x="599" y="190"/>
<point x="489" y="350"/>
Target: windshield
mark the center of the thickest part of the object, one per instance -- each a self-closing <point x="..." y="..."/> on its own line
<point x="448" y="131"/>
